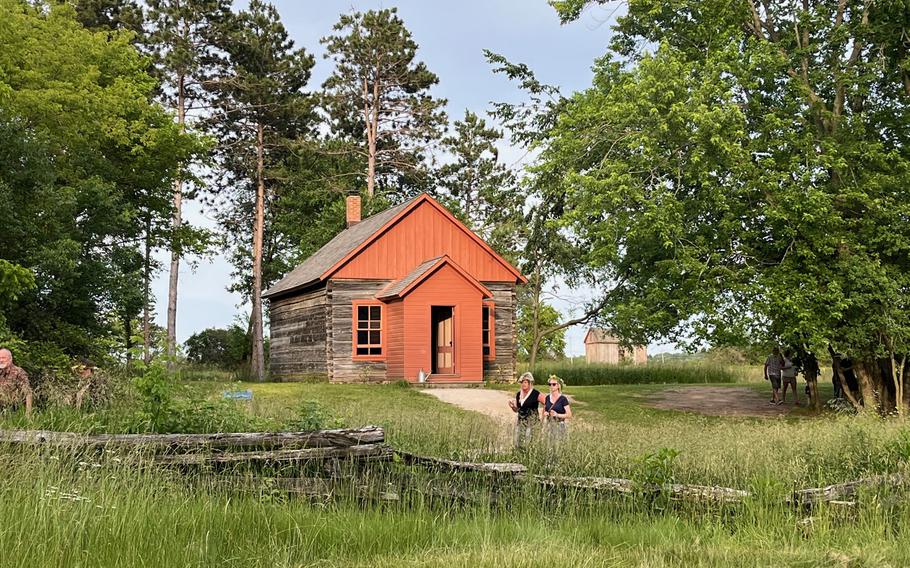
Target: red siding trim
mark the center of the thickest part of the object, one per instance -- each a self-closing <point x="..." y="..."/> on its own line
<point x="445" y="260"/>
<point x="447" y="287"/>
<point x="395" y="340"/>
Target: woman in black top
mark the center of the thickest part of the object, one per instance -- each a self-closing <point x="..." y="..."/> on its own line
<point x="556" y="409"/>
<point x="527" y="404"/>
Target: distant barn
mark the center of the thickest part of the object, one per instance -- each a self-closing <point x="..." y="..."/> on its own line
<point x="603" y="347"/>
<point x="407" y="290"/>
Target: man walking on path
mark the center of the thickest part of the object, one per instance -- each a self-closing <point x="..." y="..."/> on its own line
<point x="773" y="365"/>
<point x="14" y="385"/>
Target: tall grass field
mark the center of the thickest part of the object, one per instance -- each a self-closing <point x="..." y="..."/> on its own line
<point x="587" y="374"/>
<point x="112" y="509"/>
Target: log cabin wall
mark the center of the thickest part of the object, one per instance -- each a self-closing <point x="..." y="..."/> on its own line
<point x="341" y="367"/>
<point x="297" y="344"/>
<point x="504" y="314"/>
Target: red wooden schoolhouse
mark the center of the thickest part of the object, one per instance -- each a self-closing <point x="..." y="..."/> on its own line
<point x="406" y="291"/>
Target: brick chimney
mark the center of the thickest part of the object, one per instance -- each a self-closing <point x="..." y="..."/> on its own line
<point x="352" y="210"/>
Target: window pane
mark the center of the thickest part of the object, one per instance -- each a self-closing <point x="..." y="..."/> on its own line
<point x="374" y="338"/>
<point x="363" y="351"/>
<point x="362" y="337"/>
<point x="363" y="312"/>
<point x="375" y="350"/>
<point x="374" y="324"/>
<point x="486" y="350"/>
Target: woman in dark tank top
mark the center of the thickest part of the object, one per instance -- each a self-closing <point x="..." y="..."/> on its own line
<point x="556" y="409"/>
<point x="527" y="405"/>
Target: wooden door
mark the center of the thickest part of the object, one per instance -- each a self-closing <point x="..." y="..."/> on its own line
<point x="443" y="321"/>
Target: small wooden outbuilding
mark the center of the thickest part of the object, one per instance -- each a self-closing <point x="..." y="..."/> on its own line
<point x="601" y="346"/>
<point x="407" y="290"/>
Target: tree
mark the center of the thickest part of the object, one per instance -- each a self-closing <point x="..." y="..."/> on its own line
<point x="85" y="156"/>
<point x="542" y="247"/>
<point x="181" y="38"/>
<point x="262" y="108"/>
<point x="378" y="96"/>
<point x="749" y="177"/>
<point x="534" y="315"/>
<point x="110" y="15"/>
<point x="223" y="348"/>
<point x="478" y="187"/>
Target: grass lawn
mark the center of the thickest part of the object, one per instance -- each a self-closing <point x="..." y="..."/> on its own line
<point x="102" y="512"/>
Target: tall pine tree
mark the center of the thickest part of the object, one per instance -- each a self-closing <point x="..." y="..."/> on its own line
<point x="262" y="110"/>
<point x="181" y="38"/>
<point x="478" y="186"/>
<point x="379" y="97"/>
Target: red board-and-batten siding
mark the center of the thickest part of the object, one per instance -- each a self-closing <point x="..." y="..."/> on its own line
<point x="444" y="287"/>
<point x="424" y="233"/>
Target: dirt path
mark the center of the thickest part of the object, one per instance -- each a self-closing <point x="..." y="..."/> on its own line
<point x="719" y="401"/>
<point x="494" y="404"/>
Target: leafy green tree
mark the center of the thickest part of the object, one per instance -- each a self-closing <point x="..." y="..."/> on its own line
<point x="542" y="247"/>
<point x="748" y="178"/>
<point x="532" y="315"/>
<point x="223" y="348"/>
<point x="262" y="110"/>
<point x="86" y="157"/>
<point x="378" y="97"/>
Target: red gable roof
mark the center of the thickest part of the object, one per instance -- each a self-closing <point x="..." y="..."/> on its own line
<point x="420" y="239"/>
<point x="401" y="288"/>
<point x="406" y="234"/>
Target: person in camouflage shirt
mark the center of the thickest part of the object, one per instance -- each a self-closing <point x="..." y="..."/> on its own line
<point x="14" y="385"/>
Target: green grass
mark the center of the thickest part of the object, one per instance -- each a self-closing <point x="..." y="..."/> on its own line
<point x="583" y="374"/>
<point x="96" y="511"/>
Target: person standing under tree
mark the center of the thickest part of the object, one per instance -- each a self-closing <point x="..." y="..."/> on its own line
<point x="773" y="365"/>
<point x="527" y="405"/>
<point x="788" y="377"/>
<point x="14" y="385"/>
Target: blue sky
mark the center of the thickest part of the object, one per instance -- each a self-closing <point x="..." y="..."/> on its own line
<point x="452" y="37"/>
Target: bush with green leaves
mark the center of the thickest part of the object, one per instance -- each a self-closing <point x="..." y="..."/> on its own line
<point x="223" y="348"/>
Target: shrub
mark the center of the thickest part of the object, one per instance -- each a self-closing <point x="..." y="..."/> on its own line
<point x="223" y="348"/>
<point x="313" y="416"/>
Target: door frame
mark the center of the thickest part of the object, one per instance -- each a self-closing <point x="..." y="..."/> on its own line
<point x="433" y="344"/>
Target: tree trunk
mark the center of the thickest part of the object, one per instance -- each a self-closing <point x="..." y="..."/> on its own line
<point x="372" y="139"/>
<point x="175" y="248"/>
<point x="839" y="375"/>
<point x="146" y="294"/>
<point x="258" y="355"/>
<point x="898" y="374"/>
<point x="535" y="344"/>
<point x="128" y="337"/>
<point x="870" y="385"/>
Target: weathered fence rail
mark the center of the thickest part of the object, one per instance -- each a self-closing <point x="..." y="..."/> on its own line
<point x="362" y="452"/>
<point x="197" y="442"/>
<point x="368" y="444"/>
<point x="845" y="493"/>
